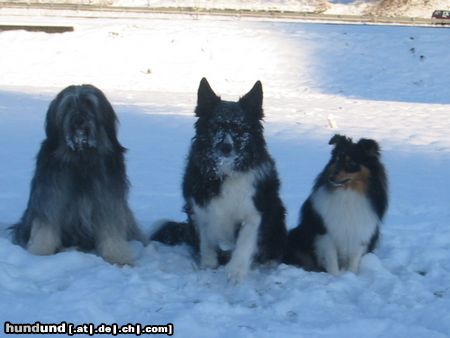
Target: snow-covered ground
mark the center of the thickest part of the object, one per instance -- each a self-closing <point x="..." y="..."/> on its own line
<point x="386" y="83"/>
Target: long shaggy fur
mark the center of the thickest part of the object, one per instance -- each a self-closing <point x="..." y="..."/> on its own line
<point x="79" y="190"/>
<point x="230" y="186"/>
<point x="339" y="222"/>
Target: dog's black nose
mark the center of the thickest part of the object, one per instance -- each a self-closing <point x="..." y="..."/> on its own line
<point x="225" y="148"/>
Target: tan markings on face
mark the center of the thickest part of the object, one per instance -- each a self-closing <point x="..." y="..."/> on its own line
<point x="358" y="181"/>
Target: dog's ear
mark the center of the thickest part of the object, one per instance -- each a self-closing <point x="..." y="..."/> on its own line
<point x="51" y="129"/>
<point x="338" y="139"/>
<point x="206" y="98"/>
<point x="369" y="147"/>
<point x="252" y="101"/>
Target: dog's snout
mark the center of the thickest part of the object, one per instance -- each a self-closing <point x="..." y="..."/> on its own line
<point x="226" y="148"/>
<point x="80" y="131"/>
<point x="338" y="179"/>
<point x="333" y="174"/>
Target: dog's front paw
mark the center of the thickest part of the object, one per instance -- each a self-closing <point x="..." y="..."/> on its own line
<point x="44" y="239"/>
<point x="41" y="249"/>
<point x="209" y="262"/>
<point x="121" y="259"/>
<point x="236" y="271"/>
<point x="118" y="253"/>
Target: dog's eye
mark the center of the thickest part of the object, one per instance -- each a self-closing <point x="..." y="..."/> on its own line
<point x="352" y="166"/>
<point x="240" y="129"/>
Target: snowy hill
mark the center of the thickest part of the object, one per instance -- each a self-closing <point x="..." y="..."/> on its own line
<point x="386" y="83"/>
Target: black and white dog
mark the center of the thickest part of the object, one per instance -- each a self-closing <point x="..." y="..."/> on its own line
<point x="340" y="220"/>
<point x="230" y="187"/>
<point x="79" y="190"/>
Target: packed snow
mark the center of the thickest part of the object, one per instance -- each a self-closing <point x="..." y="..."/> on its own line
<point x="382" y="82"/>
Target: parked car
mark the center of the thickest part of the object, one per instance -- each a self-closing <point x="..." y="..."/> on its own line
<point x="441" y="14"/>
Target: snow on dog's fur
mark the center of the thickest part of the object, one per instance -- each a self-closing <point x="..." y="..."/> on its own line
<point x="230" y="187"/>
<point x="339" y="222"/>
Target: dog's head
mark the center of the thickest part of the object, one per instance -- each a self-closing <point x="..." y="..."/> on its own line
<point x="80" y="119"/>
<point x="229" y="135"/>
<point x="351" y="163"/>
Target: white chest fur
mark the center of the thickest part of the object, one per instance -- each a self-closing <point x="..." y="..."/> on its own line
<point x="222" y="215"/>
<point x="349" y="219"/>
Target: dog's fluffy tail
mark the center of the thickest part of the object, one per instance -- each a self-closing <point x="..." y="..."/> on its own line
<point x="301" y="259"/>
<point x="175" y="233"/>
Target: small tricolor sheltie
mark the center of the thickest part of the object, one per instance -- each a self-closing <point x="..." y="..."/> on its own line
<point x="340" y="220"/>
<point x="230" y="187"/>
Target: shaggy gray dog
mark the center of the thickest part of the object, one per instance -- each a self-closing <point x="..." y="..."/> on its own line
<point x="79" y="190"/>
